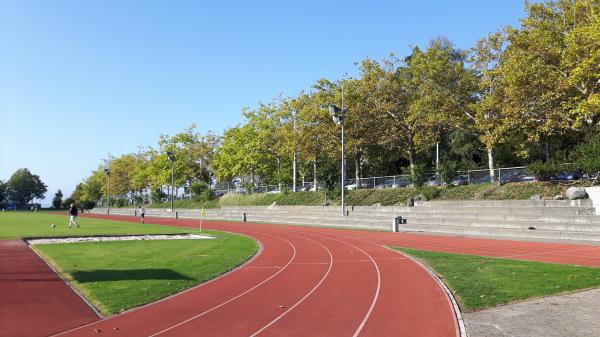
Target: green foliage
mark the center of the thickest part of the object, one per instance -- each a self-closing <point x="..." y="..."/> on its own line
<point x="3" y="189"/>
<point x="57" y="200"/>
<point x="448" y="170"/>
<point x="544" y="170"/>
<point x="157" y="195"/>
<point x="197" y="187"/>
<point x="482" y="282"/>
<point x="417" y="175"/>
<point x="587" y="155"/>
<point x="23" y="186"/>
<point x="67" y="202"/>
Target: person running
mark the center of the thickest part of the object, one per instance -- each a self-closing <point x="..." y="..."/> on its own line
<point x="73" y="215"/>
<point x="142" y="213"/>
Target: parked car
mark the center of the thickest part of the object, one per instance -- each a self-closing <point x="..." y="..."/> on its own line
<point x="567" y="176"/>
<point x="512" y="177"/>
<point x="350" y="185"/>
<point x="436" y="180"/>
<point x="460" y="180"/>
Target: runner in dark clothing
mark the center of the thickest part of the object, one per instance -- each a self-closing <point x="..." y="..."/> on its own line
<point x="73" y="215"/>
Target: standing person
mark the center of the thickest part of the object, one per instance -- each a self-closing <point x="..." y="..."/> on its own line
<point x="142" y="213"/>
<point x="73" y="215"/>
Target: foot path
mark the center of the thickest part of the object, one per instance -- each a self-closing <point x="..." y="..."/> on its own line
<point x="310" y="281"/>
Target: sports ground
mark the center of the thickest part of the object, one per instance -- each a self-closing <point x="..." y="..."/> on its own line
<point x="303" y="281"/>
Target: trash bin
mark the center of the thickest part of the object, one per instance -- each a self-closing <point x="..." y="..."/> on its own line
<point x="244" y="217"/>
<point x="396" y="224"/>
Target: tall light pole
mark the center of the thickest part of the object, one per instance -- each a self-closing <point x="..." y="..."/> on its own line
<point x="338" y="116"/>
<point x="294" y="113"/>
<point x="107" y="171"/>
<point x="171" y="156"/>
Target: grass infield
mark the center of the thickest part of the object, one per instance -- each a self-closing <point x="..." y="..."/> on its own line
<point x="481" y="282"/>
<point x="116" y="276"/>
<point x="29" y="224"/>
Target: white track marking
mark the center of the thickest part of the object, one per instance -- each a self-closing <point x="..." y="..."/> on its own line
<point x="260" y="251"/>
<point x="375" y="297"/>
<point x="305" y="296"/>
<point x="458" y="320"/>
<point x="233" y="298"/>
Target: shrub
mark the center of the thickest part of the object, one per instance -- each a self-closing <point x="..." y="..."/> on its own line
<point x="197" y="187"/>
<point x="544" y="170"/>
<point x="417" y="175"/>
<point x="157" y="195"/>
<point x="448" y="170"/>
<point x="587" y="155"/>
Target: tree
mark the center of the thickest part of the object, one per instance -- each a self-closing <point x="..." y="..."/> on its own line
<point x="3" y="191"/>
<point x="57" y="200"/>
<point x="24" y="186"/>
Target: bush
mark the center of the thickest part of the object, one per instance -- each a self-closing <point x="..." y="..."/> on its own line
<point x="544" y="170"/>
<point x="587" y="155"/>
<point x="448" y="170"/>
<point x="417" y="175"/>
<point x="203" y="195"/>
<point x="121" y="202"/>
<point x="157" y="195"/>
<point x="197" y="187"/>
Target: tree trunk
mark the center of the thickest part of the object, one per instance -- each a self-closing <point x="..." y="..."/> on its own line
<point x="411" y="159"/>
<point x="357" y="169"/>
<point x="279" y="174"/>
<point x="491" y="165"/>
<point x="315" y="174"/>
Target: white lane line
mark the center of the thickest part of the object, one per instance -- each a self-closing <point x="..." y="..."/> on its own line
<point x="233" y="298"/>
<point x="305" y="296"/>
<point x="243" y="265"/>
<point x="459" y="323"/>
<point x="376" y="296"/>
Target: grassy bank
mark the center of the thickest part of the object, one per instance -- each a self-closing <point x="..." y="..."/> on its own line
<point x="481" y="282"/>
<point x="386" y="197"/>
<point x="116" y="276"/>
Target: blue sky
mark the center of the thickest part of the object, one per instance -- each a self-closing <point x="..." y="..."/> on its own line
<point x="81" y="79"/>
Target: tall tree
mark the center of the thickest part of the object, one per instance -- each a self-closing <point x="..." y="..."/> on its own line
<point x="24" y="186"/>
<point x="57" y="200"/>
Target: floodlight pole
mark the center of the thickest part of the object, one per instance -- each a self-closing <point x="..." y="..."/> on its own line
<point x="294" y="112"/>
<point x="339" y="116"/>
<point x="172" y="183"/>
<point x="343" y="155"/>
<point x="107" y="170"/>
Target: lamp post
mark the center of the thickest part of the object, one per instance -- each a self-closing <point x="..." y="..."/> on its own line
<point x="338" y="116"/>
<point x="294" y="113"/>
<point x="171" y="156"/>
<point x="107" y="171"/>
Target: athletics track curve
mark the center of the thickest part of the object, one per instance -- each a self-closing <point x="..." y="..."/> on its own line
<point x="304" y="282"/>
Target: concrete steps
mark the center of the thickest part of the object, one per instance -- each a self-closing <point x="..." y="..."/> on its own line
<point x="552" y="219"/>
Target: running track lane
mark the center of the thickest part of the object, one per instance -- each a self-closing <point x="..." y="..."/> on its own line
<point x="360" y="289"/>
<point x="34" y="301"/>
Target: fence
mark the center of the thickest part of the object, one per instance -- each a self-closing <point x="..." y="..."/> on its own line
<point x="470" y="177"/>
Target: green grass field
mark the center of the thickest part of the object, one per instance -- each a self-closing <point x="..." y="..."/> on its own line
<point x="28" y="224"/>
<point x="116" y="276"/>
<point x="481" y="282"/>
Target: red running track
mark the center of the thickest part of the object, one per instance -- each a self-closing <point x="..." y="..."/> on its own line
<point x="34" y="301"/>
<point x="322" y="282"/>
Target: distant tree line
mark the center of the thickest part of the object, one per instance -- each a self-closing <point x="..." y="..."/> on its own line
<point x="527" y="95"/>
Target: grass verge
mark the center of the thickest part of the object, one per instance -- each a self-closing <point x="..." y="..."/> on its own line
<point x="481" y="282"/>
<point x="116" y="276"/>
